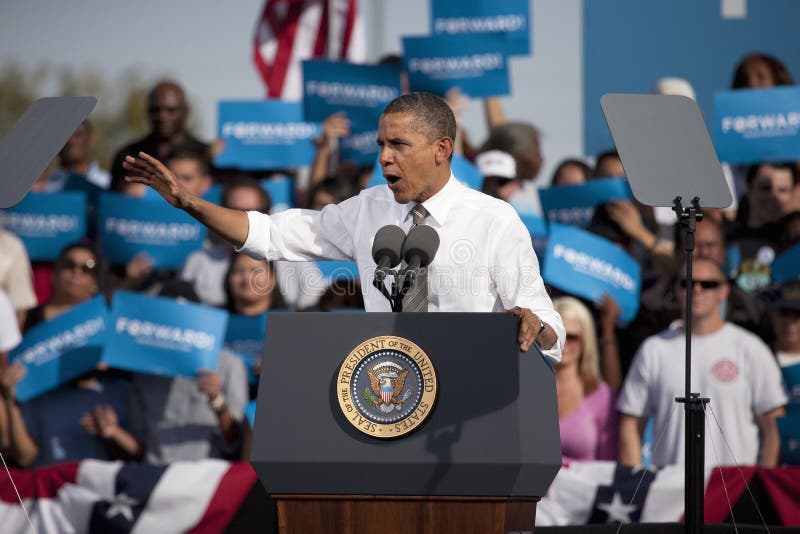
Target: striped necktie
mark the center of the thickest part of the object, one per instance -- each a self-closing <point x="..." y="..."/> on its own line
<point x="416" y="300"/>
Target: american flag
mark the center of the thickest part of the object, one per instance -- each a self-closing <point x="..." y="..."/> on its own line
<point x="93" y="496"/>
<point x="290" y="31"/>
<point x="607" y="492"/>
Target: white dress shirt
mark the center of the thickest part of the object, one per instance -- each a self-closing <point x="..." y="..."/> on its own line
<point x="485" y="261"/>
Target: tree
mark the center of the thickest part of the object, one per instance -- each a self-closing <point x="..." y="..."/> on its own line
<point x="119" y="117"/>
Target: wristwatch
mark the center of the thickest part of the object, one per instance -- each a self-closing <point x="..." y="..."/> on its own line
<point x="218" y="404"/>
<point x="542" y="326"/>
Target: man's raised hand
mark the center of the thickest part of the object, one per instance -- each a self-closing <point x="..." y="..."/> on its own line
<point x="147" y="170"/>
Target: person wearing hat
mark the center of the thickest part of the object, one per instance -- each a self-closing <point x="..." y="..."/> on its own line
<point x="499" y="172"/>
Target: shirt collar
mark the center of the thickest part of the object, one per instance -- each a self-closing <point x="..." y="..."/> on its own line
<point x="438" y="206"/>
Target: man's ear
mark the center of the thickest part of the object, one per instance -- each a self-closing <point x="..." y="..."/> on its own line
<point x="444" y="149"/>
<point x="725" y="292"/>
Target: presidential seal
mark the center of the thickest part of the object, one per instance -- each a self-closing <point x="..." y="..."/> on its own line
<point x="386" y="387"/>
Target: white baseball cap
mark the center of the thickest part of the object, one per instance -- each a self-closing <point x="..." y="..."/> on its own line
<point x="496" y="163"/>
<point x="674" y="86"/>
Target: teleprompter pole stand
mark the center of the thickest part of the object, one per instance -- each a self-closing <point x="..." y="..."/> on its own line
<point x="668" y="158"/>
<point x="694" y="405"/>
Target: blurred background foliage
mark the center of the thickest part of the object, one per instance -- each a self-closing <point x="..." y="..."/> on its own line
<point x="121" y="113"/>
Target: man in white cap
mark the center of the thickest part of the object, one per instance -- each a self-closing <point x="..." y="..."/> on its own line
<point x="499" y="172"/>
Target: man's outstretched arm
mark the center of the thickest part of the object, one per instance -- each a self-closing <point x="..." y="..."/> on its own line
<point x="230" y="224"/>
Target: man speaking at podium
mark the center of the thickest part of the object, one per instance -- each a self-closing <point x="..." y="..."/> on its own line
<point x="485" y="261"/>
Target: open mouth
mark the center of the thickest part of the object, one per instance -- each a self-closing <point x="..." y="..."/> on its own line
<point x="391" y="178"/>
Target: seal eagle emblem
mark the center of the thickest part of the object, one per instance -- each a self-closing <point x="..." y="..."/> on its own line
<point x="386" y="387"/>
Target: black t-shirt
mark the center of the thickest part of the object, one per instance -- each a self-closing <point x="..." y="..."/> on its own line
<point x="149" y="145"/>
<point x="756" y="249"/>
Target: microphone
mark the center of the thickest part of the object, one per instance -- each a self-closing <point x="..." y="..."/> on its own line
<point x="419" y="248"/>
<point x="386" y="250"/>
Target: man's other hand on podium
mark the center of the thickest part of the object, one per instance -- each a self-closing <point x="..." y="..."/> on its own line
<point x="532" y="329"/>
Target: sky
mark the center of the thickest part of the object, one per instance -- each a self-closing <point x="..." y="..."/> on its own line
<point x="207" y="46"/>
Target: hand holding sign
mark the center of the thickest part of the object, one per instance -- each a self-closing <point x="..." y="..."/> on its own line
<point x="625" y="214"/>
<point x="209" y="383"/>
<point x="138" y="269"/>
<point x="457" y="101"/>
<point x="147" y="170"/>
<point x="334" y="127"/>
<point x="609" y="313"/>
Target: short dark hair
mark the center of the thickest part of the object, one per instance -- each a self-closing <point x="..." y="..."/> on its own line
<point x="201" y="157"/>
<point x="780" y="74"/>
<point x="602" y="156"/>
<point x="585" y="169"/>
<point x="248" y="182"/>
<point x="752" y="170"/>
<point x="679" y="236"/>
<point x="512" y="137"/>
<point x="335" y="187"/>
<point x="62" y="256"/>
<point x="430" y="113"/>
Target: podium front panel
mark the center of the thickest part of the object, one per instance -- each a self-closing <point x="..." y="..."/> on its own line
<point x="493" y="430"/>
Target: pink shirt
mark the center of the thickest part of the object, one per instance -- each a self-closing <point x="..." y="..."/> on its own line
<point x="590" y="432"/>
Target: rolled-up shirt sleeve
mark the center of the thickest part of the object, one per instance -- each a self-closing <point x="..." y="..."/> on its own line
<point x="519" y="281"/>
<point x="303" y="235"/>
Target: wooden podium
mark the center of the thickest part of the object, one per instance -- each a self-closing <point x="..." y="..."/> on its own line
<point x="488" y="450"/>
<point x="333" y="514"/>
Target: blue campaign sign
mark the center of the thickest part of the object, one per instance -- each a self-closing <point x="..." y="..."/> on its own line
<point x="361" y="91"/>
<point x="281" y="192"/>
<point x="129" y="226"/>
<point x="250" y="413"/>
<point x="512" y="18"/>
<point x="76" y="182"/>
<point x="575" y="204"/>
<point x="338" y="270"/>
<point x="162" y="336"/>
<point x="46" y="222"/>
<point x="589" y="266"/>
<point x="56" y="351"/>
<point x="213" y="195"/>
<point x="789" y="430"/>
<point x="629" y="44"/>
<point x="245" y="337"/>
<point x="462" y="169"/>
<point x="473" y="63"/>
<point x="791" y="378"/>
<point x="537" y="227"/>
<point x="786" y="266"/>
<point x="265" y="134"/>
<point x="757" y="125"/>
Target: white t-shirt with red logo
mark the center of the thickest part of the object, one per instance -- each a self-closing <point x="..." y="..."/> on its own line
<point x="731" y="366"/>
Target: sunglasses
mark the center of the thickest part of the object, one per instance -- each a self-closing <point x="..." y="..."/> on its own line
<point x="705" y="284"/>
<point x="85" y="268"/>
<point x="168" y="109"/>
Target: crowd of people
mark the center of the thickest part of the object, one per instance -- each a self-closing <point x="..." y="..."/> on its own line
<point x="612" y="377"/>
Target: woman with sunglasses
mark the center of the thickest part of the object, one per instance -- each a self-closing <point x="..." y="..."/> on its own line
<point x="587" y="418"/>
<point x="65" y="423"/>
<point x="74" y="281"/>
